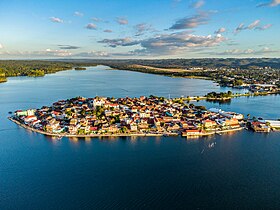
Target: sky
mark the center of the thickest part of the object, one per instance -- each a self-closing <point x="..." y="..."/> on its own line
<point x="145" y="29"/>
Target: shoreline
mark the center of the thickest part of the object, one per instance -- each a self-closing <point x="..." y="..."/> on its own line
<point x="122" y="135"/>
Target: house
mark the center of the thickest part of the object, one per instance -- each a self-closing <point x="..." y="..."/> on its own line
<point x="191" y="133"/>
<point x="30" y="118"/>
<point x="72" y="129"/>
<point x="35" y="122"/>
<point x="233" y="122"/>
<point x="133" y="127"/>
<point x="260" y="127"/>
<point x="174" y="127"/>
<point x="143" y="125"/>
<point x="29" y="112"/>
<point x="184" y="124"/>
<point x="73" y="121"/>
<point x="209" y="124"/>
<point x="83" y="122"/>
<point x="113" y="129"/>
<point x="97" y="102"/>
<point x="93" y="128"/>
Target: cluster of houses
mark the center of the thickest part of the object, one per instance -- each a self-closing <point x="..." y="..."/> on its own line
<point x="143" y="115"/>
<point x="265" y="125"/>
<point x="256" y="80"/>
<point x="263" y="88"/>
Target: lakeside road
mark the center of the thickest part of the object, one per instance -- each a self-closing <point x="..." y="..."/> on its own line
<point x="123" y="134"/>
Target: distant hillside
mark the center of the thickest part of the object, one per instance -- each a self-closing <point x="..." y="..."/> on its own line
<point x="246" y="63"/>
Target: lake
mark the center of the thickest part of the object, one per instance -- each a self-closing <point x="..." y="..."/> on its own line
<point x="38" y="172"/>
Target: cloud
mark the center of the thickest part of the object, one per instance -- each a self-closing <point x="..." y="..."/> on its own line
<point x="108" y="31"/>
<point x="41" y="54"/>
<point x="119" y="42"/>
<point x="56" y="20"/>
<point x="59" y="53"/>
<point x="91" y="26"/>
<point x="254" y="25"/>
<point x="68" y="47"/>
<point x="93" y="54"/>
<point x="239" y="28"/>
<point x="167" y="43"/>
<point x="197" y="4"/>
<point x="201" y="18"/>
<point x="142" y="28"/>
<point x="272" y="3"/>
<point x="267" y="26"/>
<point x="175" y="2"/>
<point x="95" y="19"/>
<point x="1" y="46"/>
<point x="178" y="42"/>
<point x="122" y="21"/>
<point x="237" y="52"/>
<point x="220" y="31"/>
<point x="78" y="14"/>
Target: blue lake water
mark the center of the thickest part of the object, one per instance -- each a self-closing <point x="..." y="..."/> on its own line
<point x="37" y="172"/>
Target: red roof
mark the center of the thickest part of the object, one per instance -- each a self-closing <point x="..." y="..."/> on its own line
<point x="257" y="123"/>
<point x="192" y="131"/>
<point x="30" y="116"/>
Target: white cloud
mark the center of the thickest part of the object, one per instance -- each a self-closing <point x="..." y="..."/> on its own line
<point x="91" y="26"/>
<point x="197" y="4"/>
<point x="254" y="25"/>
<point x="37" y="54"/>
<point x="220" y="31"/>
<point x="194" y="21"/>
<point x="93" y="54"/>
<point x="58" y="53"/>
<point x="272" y="3"/>
<point x="78" y="14"/>
<point x="1" y="46"/>
<point x="108" y="31"/>
<point x="122" y="21"/>
<point x="127" y="41"/>
<point x="167" y="43"/>
<point x="56" y="20"/>
<point x="267" y="26"/>
<point x="238" y="52"/>
<point x="142" y="28"/>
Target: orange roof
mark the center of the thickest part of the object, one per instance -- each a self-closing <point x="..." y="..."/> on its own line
<point x="190" y="131"/>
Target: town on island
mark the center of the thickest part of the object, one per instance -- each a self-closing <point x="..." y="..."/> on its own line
<point x="143" y="116"/>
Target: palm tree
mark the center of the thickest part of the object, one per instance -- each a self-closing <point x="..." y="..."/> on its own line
<point x="248" y="116"/>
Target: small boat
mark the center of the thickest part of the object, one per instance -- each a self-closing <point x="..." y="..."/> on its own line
<point x="59" y="137"/>
<point x="211" y="145"/>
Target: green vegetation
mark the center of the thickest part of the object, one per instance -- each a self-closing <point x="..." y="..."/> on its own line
<point x="219" y="96"/>
<point x="227" y="72"/>
<point x="2" y="76"/>
<point x="36" y="73"/>
<point x="237" y="82"/>
<point x="34" y="68"/>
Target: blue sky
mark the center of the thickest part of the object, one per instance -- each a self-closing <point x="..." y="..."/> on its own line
<point x="139" y="28"/>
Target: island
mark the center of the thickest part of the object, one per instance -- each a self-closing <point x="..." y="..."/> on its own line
<point x="143" y="116"/>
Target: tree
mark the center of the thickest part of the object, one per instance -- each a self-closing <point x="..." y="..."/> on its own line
<point x="248" y="116"/>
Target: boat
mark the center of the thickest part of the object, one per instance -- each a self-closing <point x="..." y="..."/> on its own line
<point x="211" y="145"/>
